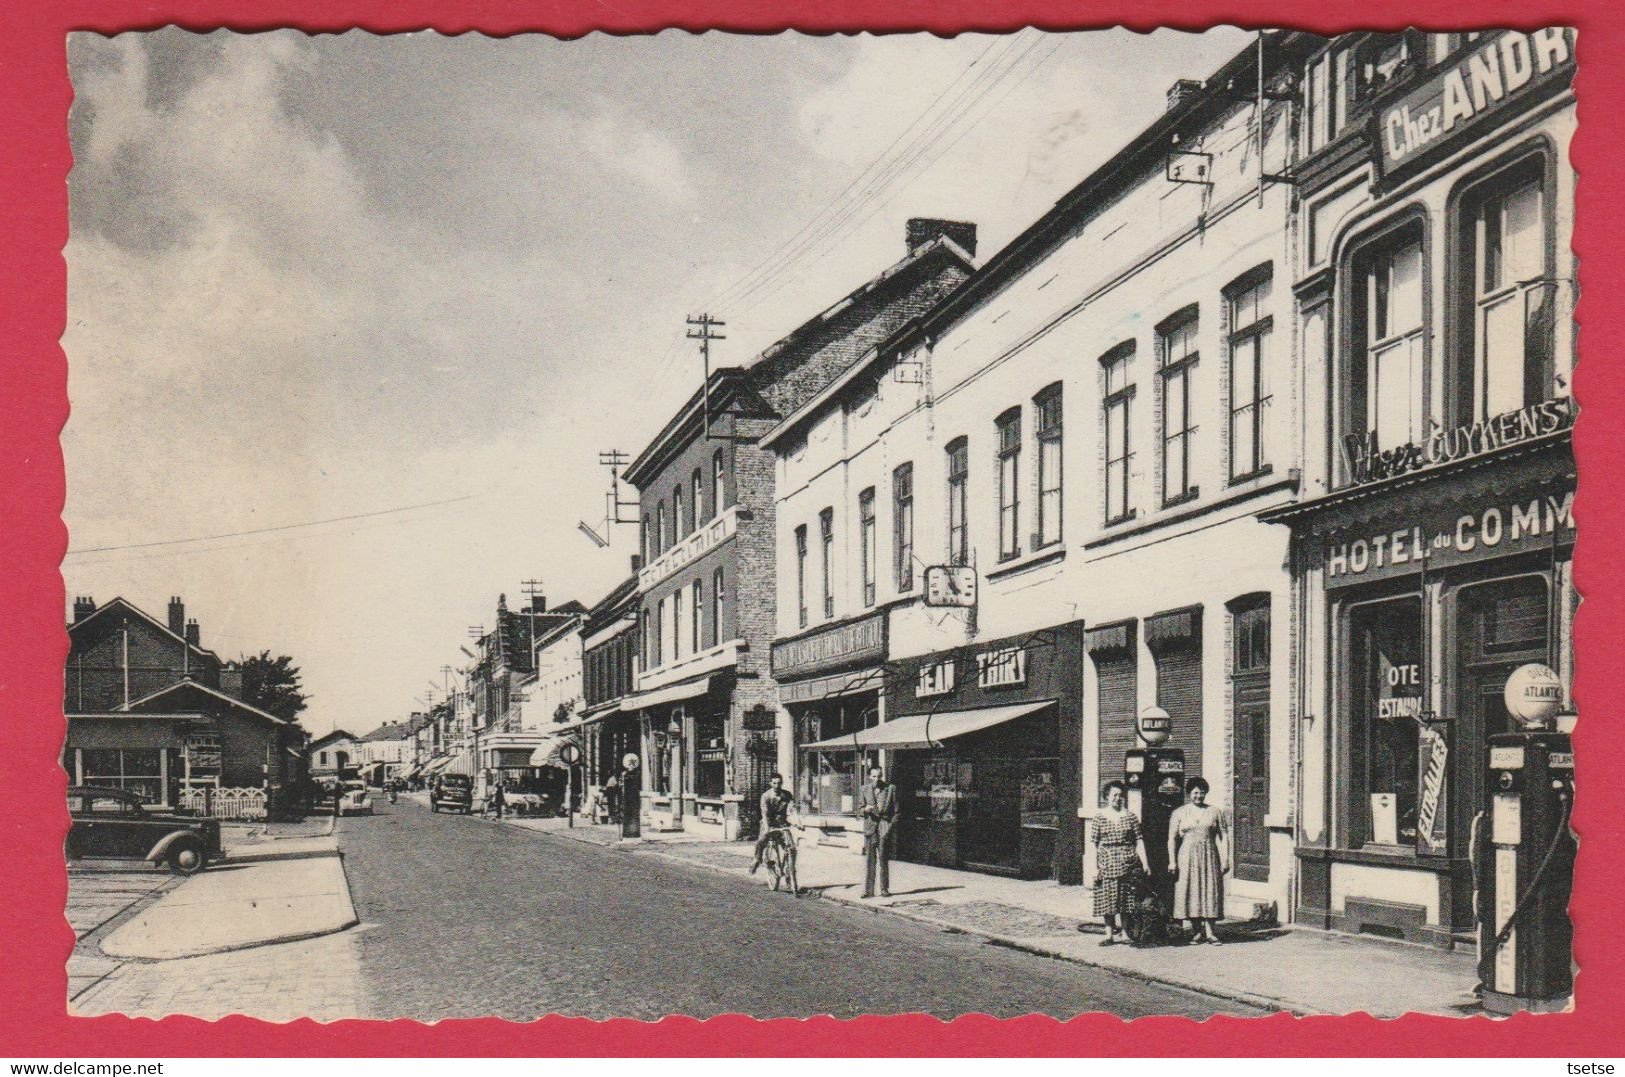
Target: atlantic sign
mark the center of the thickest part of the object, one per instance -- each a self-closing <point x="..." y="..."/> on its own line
<point x="1498" y="69"/>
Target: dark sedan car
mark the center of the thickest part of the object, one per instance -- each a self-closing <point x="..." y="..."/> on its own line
<point x="114" y="824"/>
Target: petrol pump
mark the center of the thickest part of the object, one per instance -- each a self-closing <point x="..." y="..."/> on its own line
<point x="1155" y="777"/>
<point x="1524" y="854"/>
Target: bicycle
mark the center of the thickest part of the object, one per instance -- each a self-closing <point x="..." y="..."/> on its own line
<point x="780" y="858"/>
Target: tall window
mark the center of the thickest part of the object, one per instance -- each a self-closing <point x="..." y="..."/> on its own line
<point x="868" y="549"/>
<point x="958" y="474"/>
<point x="659" y="649"/>
<point x="697" y="498"/>
<point x="826" y="556"/>
<point x="1009" y="431"/>
<point x="1250" y="326"/>
<point x="1177" y="360"/>
<point x="677" y="625"/>
<point x="1512" y="360"/>
<point x="696" y="616"/>
<point x="647" y="541"/>
<point x="717" y="501"/>
<point x="1118" y="401"/>
<point x="801" y="575"/>
<point x="716" y="608"/>
<point x="681" y="521"/>
<point x="902" y="492"/>
<point x="1047" y="407"/>
<point x="660" y="528"/>
<point x="649" y="661"/>
<point x="1387" y="391"/>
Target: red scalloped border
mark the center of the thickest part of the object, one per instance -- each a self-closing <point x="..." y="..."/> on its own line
<point x="34" y="98"/>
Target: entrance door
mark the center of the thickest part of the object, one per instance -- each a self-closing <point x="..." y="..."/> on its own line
<point x="1252" y="791"/>
<point x="990" y="830"/>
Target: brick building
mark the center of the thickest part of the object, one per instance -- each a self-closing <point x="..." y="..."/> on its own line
<point x="609" y="642"/>
<point x="711" y="726"/>
<point x="150" y="710"/>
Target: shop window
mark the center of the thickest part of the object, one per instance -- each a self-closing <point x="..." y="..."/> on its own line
<point x="1008" y="427"/>
<point x="958" y="478"/>
<point x="1047" y="409"/>
<point x="1385" y="706"/>
<point x="1507" y="361"/>
<point x="135" y="770"/>
<point x="902" y="486"/>
<point x="868" y="551"/>
<point x="711" y="757"/>
<point x="1176" y="360"/>
<point x="1119" y="399"/>
<point x="1386" y="368"/>
<point x="826" y="558"/>
<point x="830" y="780"/>
<point x="801" y="576"/>
<point x="1250" y="325"/>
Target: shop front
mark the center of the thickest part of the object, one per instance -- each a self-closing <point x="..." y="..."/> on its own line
<point x="686" y="752"/>
<point x="1430" y="589"/>
<point x="832" y="681"/>
<point x="983" y="743"/>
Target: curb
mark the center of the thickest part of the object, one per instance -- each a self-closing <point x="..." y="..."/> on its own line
<point x="1025" y="946"/>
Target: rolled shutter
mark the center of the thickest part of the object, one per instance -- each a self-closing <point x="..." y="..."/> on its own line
<point x="1179" y="692"/>
<point x="1114" y="673"/>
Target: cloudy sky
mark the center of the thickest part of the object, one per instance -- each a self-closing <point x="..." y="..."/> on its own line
<point x="411" y="286"/>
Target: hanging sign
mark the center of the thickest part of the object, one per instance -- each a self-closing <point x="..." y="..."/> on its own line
<point x="1498" y="72"/>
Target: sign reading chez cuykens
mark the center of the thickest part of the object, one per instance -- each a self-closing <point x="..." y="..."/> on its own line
<point x="1497" y="72"/>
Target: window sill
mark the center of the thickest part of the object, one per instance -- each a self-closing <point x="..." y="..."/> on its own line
<point x="1048" y="555"/>
<point x="1128" y="517"/>
<point x="1119" y="533"/>
<point x="1183" y="499"/>
<point x="1250" y="477"/>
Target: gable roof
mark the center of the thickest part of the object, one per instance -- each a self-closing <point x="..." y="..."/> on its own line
<point x="130" y="607"/>
<point x="212" y="693"/>
<point x="329" y="738"/>
<point x="387" y="731"/>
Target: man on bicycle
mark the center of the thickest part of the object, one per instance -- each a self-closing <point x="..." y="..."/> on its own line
<point x="776" y="803"/>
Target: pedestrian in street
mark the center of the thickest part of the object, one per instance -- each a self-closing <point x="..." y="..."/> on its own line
<point x="499" y="800"/>
<point x="1119" y="858"/>
<point x="877" y="803"/>
<point x="612" y="798"/>
<point x="1198" y="837"/>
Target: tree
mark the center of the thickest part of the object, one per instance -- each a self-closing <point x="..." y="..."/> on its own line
<point x="272" y="685"/>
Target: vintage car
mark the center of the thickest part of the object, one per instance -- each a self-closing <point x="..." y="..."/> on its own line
<point x="354" y="799"/>
<point x="114" y="824"/>
<point x="452" y="792"/>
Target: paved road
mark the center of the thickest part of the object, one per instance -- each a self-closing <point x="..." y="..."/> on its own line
<point x="465" y="918"/>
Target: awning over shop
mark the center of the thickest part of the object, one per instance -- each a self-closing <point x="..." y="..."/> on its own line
<point x="546" y="754"/>
<point x="436" y="765"/>
<point x="673" y="694"/>
<point x="912" y="731"/>
<point x="462" y="763"/>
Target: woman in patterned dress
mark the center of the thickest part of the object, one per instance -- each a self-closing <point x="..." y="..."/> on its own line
<point x="1198" y="836"/>
<point x="1119" y="854"/>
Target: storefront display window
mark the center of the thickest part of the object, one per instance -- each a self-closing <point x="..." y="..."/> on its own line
<point x="711" y="756"/>
<point x="1385" y="708"/>
<point x="136" y="770"/>
<point x="830" y="780"/>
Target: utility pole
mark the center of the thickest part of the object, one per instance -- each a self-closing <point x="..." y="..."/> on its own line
<point x="615" y="460"/>
<point x="703" y="325"/>
<point x="532" y="588"/>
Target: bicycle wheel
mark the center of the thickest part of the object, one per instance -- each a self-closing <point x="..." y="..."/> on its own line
<point x="775" y="864"/>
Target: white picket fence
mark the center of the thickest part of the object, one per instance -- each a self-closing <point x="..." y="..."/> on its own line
<point x="226" y="803"/>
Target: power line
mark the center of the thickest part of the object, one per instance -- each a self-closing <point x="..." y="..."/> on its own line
<point x="268" y="530"/>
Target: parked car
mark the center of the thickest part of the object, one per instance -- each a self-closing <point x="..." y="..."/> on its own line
<point x="114" y="824"/>
<point x="355" y="800"/>
<point x="452" y="792"/>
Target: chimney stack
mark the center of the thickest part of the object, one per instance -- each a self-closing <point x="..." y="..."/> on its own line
<point x="231" y="678"/>
<point x="83" y="606"/>
<point x="192" y="633"/>
<point x="177" y="615"/>
<point x="637" y="563"/>
<point x="1181" y="90"/>
<point x="922" y="230"/>
<point x="538" y="603"/>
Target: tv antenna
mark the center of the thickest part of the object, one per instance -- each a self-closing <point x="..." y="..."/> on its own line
<point x="614" y="506"/>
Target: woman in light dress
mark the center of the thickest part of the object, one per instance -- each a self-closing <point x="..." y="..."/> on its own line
<point x="1198" y="840"/>
<point x="1119" y="856"/>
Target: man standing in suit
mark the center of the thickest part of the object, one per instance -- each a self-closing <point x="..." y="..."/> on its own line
<point x="877" y="804"/>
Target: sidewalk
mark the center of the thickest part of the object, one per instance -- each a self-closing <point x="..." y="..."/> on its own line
<point x="1299" y="970"/>
<point x="264" y="892"/>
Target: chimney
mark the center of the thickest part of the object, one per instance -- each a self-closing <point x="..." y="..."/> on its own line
<point x="83" y="606"/>
<point x="1181" y="91"/>
<point x="922" y="230"/>
<point x="177" y="615"/>
<point x="637" y="563"/>
<point x="231" y="678"/>
<point x="538" y="603"/>
<point x="192" y="633"/>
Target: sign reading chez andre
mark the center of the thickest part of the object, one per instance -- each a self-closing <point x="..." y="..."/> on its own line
<point x="1495" y="73"/>
<point x="1367" y="463"/>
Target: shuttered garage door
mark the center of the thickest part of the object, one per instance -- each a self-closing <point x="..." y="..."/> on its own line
<point x="1179" y="692"/>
